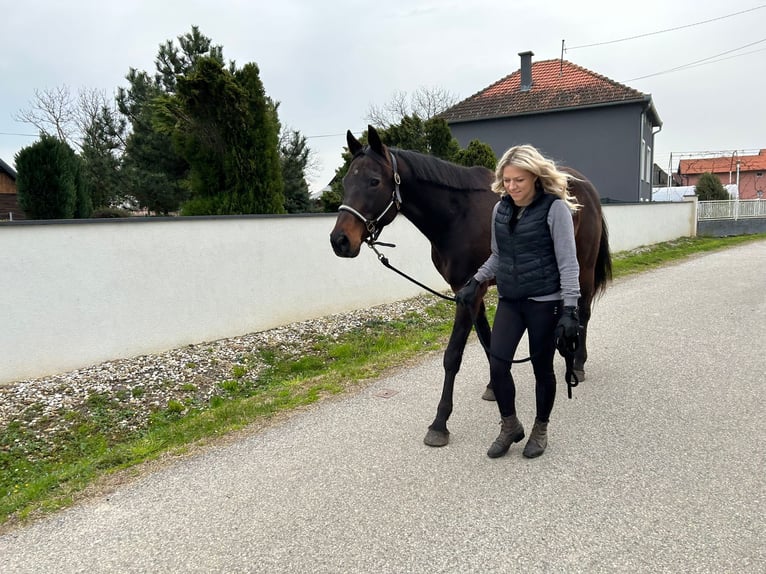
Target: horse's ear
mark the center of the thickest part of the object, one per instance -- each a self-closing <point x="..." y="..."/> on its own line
<point x="354" y="145"/>
<point x="375" y="144"/>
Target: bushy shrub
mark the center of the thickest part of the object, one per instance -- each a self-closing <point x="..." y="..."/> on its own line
<point x="477" y="153"/>
<point x="107" y="212"/>
<point x="47" y="179"/>
<point x="209" y="205"/>
<point x="709" y="188"/>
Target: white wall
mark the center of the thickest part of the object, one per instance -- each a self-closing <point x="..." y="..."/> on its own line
<point x="631" y="226"/>
<point x="78" y="293"/>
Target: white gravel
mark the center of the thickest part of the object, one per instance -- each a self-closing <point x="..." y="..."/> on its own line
<point x="130" y="390"/>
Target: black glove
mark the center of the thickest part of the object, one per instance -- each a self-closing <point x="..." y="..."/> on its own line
<point x="467" y="295"/>
<point x="568" y="330"/>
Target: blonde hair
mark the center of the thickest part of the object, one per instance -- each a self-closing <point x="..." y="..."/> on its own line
<point x="549" y="177"/>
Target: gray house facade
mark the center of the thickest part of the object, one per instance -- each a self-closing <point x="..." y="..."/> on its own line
<point x="576" y="117"/>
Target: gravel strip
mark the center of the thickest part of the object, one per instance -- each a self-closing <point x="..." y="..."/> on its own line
<point x="130" y="390"/>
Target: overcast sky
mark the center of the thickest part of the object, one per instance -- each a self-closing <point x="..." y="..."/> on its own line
<point x="328" y="61"/>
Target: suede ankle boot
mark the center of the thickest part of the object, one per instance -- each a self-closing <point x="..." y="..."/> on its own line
<point x="538" y="440"/>
<point x="511" y="431"/>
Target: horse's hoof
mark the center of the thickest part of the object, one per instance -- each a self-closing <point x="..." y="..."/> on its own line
<point x="489" y="394"/>
<point x="436" y="438"/>
<point x="580" y="375"/>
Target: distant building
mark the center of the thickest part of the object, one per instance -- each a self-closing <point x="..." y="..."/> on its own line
<point x="579" y="118"/>
<point x="748" y="170"/>
<point x="659" y="176"/>
<point x="673" y="193"/>
<point x="9" y="202"/>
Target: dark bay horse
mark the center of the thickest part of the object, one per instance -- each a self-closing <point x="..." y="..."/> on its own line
<point x="452" y="206"/>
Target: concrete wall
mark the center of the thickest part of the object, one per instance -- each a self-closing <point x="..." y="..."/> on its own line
<point x="631" y="226"/>
<point x="728" y="227"/>
<point x="79" y="293"/>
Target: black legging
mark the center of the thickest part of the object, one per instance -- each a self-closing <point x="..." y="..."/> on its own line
<point x="512" y="318"/>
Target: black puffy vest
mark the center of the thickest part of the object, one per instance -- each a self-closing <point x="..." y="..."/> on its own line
<point x="527" y="261"/>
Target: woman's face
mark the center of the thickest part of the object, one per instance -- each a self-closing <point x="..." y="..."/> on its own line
<point x="520" y="185"/>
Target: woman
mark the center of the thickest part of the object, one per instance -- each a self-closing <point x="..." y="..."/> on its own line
<point x="534" y="262"/>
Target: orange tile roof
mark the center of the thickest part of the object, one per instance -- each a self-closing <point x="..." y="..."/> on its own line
<point x="723" y="164"/>
<point x="556" y="85"/>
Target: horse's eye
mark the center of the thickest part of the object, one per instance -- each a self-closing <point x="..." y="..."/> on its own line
<point x="374" y="182"/>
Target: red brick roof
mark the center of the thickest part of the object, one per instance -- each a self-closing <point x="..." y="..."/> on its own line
<point x="556" y="85"/>
<point x="723" y="164"/>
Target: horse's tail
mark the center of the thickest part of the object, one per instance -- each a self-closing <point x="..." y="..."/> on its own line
<point x="603" y="270"/>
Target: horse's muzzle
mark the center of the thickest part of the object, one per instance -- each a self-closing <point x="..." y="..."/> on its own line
<point x="342" y="245"/>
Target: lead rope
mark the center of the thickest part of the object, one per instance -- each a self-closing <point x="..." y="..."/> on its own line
<point x="568" y="352"/>
<point x="384" y="260"/>
<point x="386" y="263"/>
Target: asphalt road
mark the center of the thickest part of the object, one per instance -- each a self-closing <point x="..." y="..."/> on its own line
<point x="656" y="465"/>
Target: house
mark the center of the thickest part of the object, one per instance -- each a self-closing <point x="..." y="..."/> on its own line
<point x="600" y="127"/>
<point x="746" y="170"/>
<point x="659" y="176"/>
<point x="9" y="204"/>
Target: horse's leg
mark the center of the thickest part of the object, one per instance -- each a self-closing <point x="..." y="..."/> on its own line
<point x="437" y="434"/>
<point x="484" y="333"/>
<point x="581" y="355"/>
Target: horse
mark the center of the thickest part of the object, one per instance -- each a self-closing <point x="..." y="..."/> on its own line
<point x="452" y="206"/>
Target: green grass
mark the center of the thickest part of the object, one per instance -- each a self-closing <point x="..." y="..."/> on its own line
<point x="37" y="477"/>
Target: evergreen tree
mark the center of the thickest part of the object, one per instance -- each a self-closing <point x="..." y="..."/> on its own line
<point x="440" y="140"/>
<point x="101" y="150"/>
<point x="294" y="157"/>
<point x="477" y="153"/>
<point x="332" y="198"/>
<point x="224" y="126"/>
<point x="709" y="188"/>
<point x="409" y="134"/>
<point x="47" y="180"/>
<point x="153" y="172"/>
<point x="83" y="204"/>
<point x="432" y="136"/>
<point x="261" y="145"/>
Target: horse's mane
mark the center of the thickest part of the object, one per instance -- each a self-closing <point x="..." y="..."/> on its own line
<point x="430" y="169"/>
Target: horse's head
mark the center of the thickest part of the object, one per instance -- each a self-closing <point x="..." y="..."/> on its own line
<point x="370" y="195"/>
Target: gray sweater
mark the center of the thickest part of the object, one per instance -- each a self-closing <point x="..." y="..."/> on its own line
<point x="562" y="232"/>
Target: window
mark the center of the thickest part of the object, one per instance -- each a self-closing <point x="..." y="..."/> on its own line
<point x="648" y="164"/>
<point x="642" y="158"/>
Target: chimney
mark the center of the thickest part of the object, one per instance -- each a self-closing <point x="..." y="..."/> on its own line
<point x="526" y="70"/>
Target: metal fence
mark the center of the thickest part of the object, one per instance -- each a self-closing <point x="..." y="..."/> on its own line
<point x="731" y="209"/>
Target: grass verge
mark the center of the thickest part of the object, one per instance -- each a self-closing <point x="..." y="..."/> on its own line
<point x="39" y="476"/>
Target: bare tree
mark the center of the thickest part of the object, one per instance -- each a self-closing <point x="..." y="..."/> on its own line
<point x="429" y="102"/>
<point x="52" y="112"/>
<point x="424" y="103"/>
<point x="56" y="112"/>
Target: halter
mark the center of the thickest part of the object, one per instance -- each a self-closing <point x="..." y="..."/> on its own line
<point x="396" y="201"/>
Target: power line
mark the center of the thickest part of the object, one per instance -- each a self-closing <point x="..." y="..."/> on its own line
<point x="666" y="30"/>
<point x="708" y="60"/>
<point x="325" y="136"/>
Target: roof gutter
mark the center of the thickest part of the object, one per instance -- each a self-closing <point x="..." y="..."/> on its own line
<point x="655" y="117"/>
